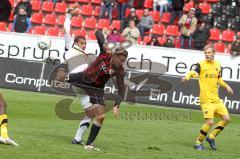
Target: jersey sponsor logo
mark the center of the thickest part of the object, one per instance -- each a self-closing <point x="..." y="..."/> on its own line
<point x="211" y="75"/>
<point x="103" y="67"/>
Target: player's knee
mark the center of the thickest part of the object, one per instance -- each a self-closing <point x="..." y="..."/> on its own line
<point x="100" y="118"/>
<point x="210" y="122"/>
<point x="227" y="119"/>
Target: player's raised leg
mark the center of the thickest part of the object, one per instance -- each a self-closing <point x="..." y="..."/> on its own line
<point x="225" y="119"/>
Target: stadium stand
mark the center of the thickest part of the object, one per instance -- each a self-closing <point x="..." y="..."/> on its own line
<point x="222" y="18"/>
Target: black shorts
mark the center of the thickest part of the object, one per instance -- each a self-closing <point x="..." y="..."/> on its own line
<point x="95" y="92"/>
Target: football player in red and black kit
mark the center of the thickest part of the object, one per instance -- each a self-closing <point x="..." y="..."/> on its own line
<point x="93" y="79"/>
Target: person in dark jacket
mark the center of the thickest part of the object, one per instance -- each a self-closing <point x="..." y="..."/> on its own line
<point x="132" y="16"/>
<point x="21" y="22"/>
<point x="198" y="13"/>
<point x="236" y="47"/>
<point x="24" y="4"/>
<point x="177" y="9"/>
<point x="201" y="36"/>
<point x="169" y="43"/>
<point x="154" y="42"/>
<point x="5" y="10"/>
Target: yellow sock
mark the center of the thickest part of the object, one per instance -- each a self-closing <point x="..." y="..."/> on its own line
<point x="220" y="126"/>
<point x="203" y="133"/>
<point x="3" y="122"/>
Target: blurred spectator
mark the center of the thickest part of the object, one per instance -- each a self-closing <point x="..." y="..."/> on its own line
<point x="236" y="47"/>
<point x="24" y="4"/>
<point x="139" y="4"/>
<point x="131" y="33"/>
<point x="132" y="16"/>
<point x="198" y="13"/>
<point x="146" y="23"/>
<point x="162" y="5"/>
<point x="187" y="23"/>
<point x="201" y="36"/>
<point x="122" y="6"/>
<point x="21" y="22"/>
<point x="154" y="42"/>
<point x="106" y="31"/>
<point x="107" y="6"/>
<point x="169" y="43"/>
<point x="177" y="9"/>
<point x="131" y="3"/>
<point x="5" y="10"/>
<point x="114" y="36"/>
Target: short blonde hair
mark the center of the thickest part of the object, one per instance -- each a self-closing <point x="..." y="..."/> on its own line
<point x="209" y="46"/>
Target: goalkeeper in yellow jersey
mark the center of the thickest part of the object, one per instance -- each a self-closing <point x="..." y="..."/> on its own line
<point x="4" y="138"/>
<point x="208" y="72"/>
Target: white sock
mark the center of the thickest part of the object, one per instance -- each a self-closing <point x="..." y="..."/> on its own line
<point x="84" y="124"/>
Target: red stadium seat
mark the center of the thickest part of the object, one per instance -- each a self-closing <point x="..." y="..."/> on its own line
<point x="50" y="19"/>
<point x="79" y="33"/>
<point x="90" y="23"/>
<point x="61" y="19"/>
<point x="162" y="40"/>
<point x="60" y="7"/>
<point x="61" y="34"/>
<point x="213" y="1"/>
<point x="148" y="4"/>
<point x="98" y="2"/>
<point x="115" y="13"/>
<point x="103" y="23"/>
<point x="228" y="35"/>
<point x="205" y="7"/>
<point x="9" y="28"/>
<point x="127" y="12"/>
<point x="3" y="26"/>
<point x="116" y="24"/>
<point x="91" y="35"/>
<point x="83" y="1"/>
<point x="40" y="30"/>
<point x="11" y="16"/>
<point x="76" y="22"/>
<point x="219" y="47"/>
<point x="86" y="10"/>
<point x="146" y="40"/>
<point x="53" y="31"/>
<point x="47" y="6"/>
<point x="188" y="6"/>
<point x="36" y="5"/>
<point x="166" y="17"/>
<point x="12" y="3"/>
<point x="158" y="29"/>
<point x="177" y="42"/>
<point x="155" y="15"/>
<point x="37" y="18"/>
<point x="172" y="30"/>
<point x="139" y="13"/>
<point x="96" y="11"/>
<point x="215" y="34"/>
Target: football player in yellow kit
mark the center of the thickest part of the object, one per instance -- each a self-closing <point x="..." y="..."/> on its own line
<point x="4" y="138"/>
<point x="208" y="73"/>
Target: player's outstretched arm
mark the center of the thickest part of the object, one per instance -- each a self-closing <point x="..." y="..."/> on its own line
<point x="192" y="74"/>
<point x="225" y="85"/>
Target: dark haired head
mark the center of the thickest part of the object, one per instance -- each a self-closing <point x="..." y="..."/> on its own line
<point x="77" y="38"/>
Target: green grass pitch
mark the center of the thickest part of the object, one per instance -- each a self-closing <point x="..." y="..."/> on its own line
<point x="42" y="135"/>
